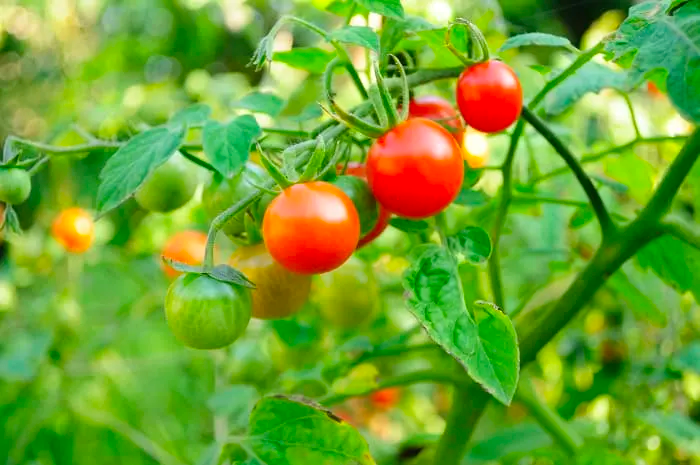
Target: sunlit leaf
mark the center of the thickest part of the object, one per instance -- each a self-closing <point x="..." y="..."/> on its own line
<point x="261" y="102"/>
<point x="357" y="35"/>
<point x="285" y="431"/>
<point x="388" y="8"/>
<point x="311" y="59"/>
<point x="484" y="341"/>
<point x="539" y="39"/>
<point x="227" y="145"/>
<point x="193" y="115"/>
<point x="131" y="165"/>
<point x="675" y="262"/>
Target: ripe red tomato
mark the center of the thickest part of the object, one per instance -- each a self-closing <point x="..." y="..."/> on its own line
<point x="415" y="170"/>
<point x="311" y="227"/>
<point x="359" y="170"/>
<point x="186" y="247"/>
<point x="489" y="96"/>
<point x="439" y="110"/>
<point x="385" y="399"/>
<point x="74" y="230"/>
<point x="654" y="90"/>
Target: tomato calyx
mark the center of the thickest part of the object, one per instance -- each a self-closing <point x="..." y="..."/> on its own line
<point x="477" y="48"/>
<point x="223" y="273"/>
<point x="387" y="113"/>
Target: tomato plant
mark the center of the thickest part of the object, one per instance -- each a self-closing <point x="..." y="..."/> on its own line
<point x="509" y="279"/>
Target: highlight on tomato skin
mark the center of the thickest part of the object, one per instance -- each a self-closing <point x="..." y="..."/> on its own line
<point x="415" y="170"/>
<point x="186" y="247"/>
<point x="311" y="227"/>
<point x="439" y="110"/>
<point x="489" y="96"/>
<point x="74" y="229"/>
<point x="475" y="145"/>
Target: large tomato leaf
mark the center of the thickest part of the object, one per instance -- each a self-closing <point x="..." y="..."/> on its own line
<point x="483" y="341"/>
<point x="311" y="59"/>
<point x="675" y="262"/>
<point x="651" y="39"/>
<point x="286" y="431"/>
<point x="134" y="162"/>
<point x="676" y="428"/>
<point x="357" y="35"/>
<point x="228" y="145"/>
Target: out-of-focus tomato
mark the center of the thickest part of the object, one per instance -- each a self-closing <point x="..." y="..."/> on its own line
<point x="311" y="227"/>
<point x="8" y="297"/>
<point x="439" y="110"/>
<point x="74" y="230"/>
<point x="385" y="399"/>
<point x="489" y="96"/>
<point x="278" y="292"/>
<point x="415" y="170"/>
<point x="15" y="185"/>
<point x="359" y="170"/>
<point x="475" y="145"/>
<point x="187" y="247"/>
<point x="348" y="296"/>
<point x="366" y="205"/>
<point x="169" y="187"/>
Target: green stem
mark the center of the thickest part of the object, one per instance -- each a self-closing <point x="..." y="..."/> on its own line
<point x="606" y="224"/>
<point x="633" y="115"/>
<point x="683" y="231"/>
<point x="548" y="418"/>
<point x="416" y="377"/>
<point x="399" y="350"/>
<point x="197" y="161"/>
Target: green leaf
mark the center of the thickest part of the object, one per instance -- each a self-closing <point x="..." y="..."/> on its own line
<point x="616" y="186"/>
<point x="311" y="59"/>
<point x="344" y="7"/>
<point x="388" y="8"/>
<point x="357" y="35"/>
<point x="597" y="456"/>
<point x="484" y="342"/>
<point x="676" y="428"/>
<point x="295" y="333"/>
<point x="539" y="39"/>
<point x="675" y="262"/>
<point x="592" y="77"/>
<point x="228" y="145"/>
<point x="15" y="148"/>
<point x="235" y="401"/>
<point x="517" y="439"/>
<point x="395" y="29"/>
<point x="471" y="198"/>
<point x="228" y="274"/>
<point x="688" y="359"/>
<point x="636" y="300"/>
<point x="633" y="172"/>
<point x="581" y="217"/>
<point x="409" y="226"/>
<point x="23" y="354"/>
<point x="192" y="116"/>
<point x="261" y="102"/>
<point x="285" y="431"/>
<point x="134" y="162"/>
<point x="472" y="244"/>
<point x="650" y="40"/>
<point x="10" y="220"/>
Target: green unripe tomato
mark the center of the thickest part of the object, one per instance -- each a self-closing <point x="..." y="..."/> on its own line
<point x="347" y="297"/>
<point x="204" y="313"/>
<point x="169" y="187"/>
<point x="15" y="185"/>
<point x="222" y="193"/>
<point x="359" y="192"/>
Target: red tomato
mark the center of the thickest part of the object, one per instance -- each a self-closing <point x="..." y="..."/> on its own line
<point x="415" y="170"/>
<point x="439" y="110"/>
<point x="74" y="230"/>
<point x="359" y="170"/>
<point x="186" y="247"/>
<point x="311" y="228"/>
<point x="489" y="96"/>
<point x="385" y="399"/>
<point x="653" y="90"/>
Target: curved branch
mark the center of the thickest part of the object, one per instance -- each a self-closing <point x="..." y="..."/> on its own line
<point x="683" y="231"/>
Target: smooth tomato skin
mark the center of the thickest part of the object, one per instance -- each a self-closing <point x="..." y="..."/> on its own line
<point x="204" y="313"/>
<point x="187" y="247"/>
<point x="15" y="185"/>
<point x="311" y="227"/>
<point x="360" y="170"/>
<point x="169" y="187"/>
<point x="278" y="292"/>
<point x="489" y="96"/>
<point x="438" y="109"/>
<point x="415" y="170"/>
<point x="385" y="399"/>
<point x="74" y="230"/>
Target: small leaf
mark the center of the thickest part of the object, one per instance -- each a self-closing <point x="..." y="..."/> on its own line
<point x="581" y="217"/>
<point x="182" y="267"/>
<point x="616" y="186"/>
<point x="472" y="244"/>
<point x="484" y="343"/>
<point x="679" y="430"/>
<point x="228" y="274"/>
<point x="688" y="359"/>
<point x="193" y="115"/>
<point x="10" y="221"/>
<point x="591" y="77"/>
<point x="343" y="7"/>
<point x="228" y="145"/>
<point x="650" y="40"/>
<point x="287" y="431"/>
<point x="636" y="300"/>
<point x="388" y="8"/>
<point x="134" y="162"/>
<point x="471" y="198"/>
<point x="675" y="262"/>
<point x="261" y="102"/>
<point x="12" y="149"/>
<point x="409" y="226"/>
<point x="236" y="400"/>
<point x="394" y="30"/>
<point x="539" y="39"/>
<point x="357" y="35"/>
<point x="471" y="176"/>
<point x="313" y="60"/>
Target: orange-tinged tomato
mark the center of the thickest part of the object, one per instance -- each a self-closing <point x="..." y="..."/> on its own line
<point x="311" y="227"/>
<point x="187" y="247"/>
<point x="385" y="399"/>
<point x="439" y="110"/>
<point x="475" y="146"/>
<point x="415" y="170"/>
<point x="74" y="229"/>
